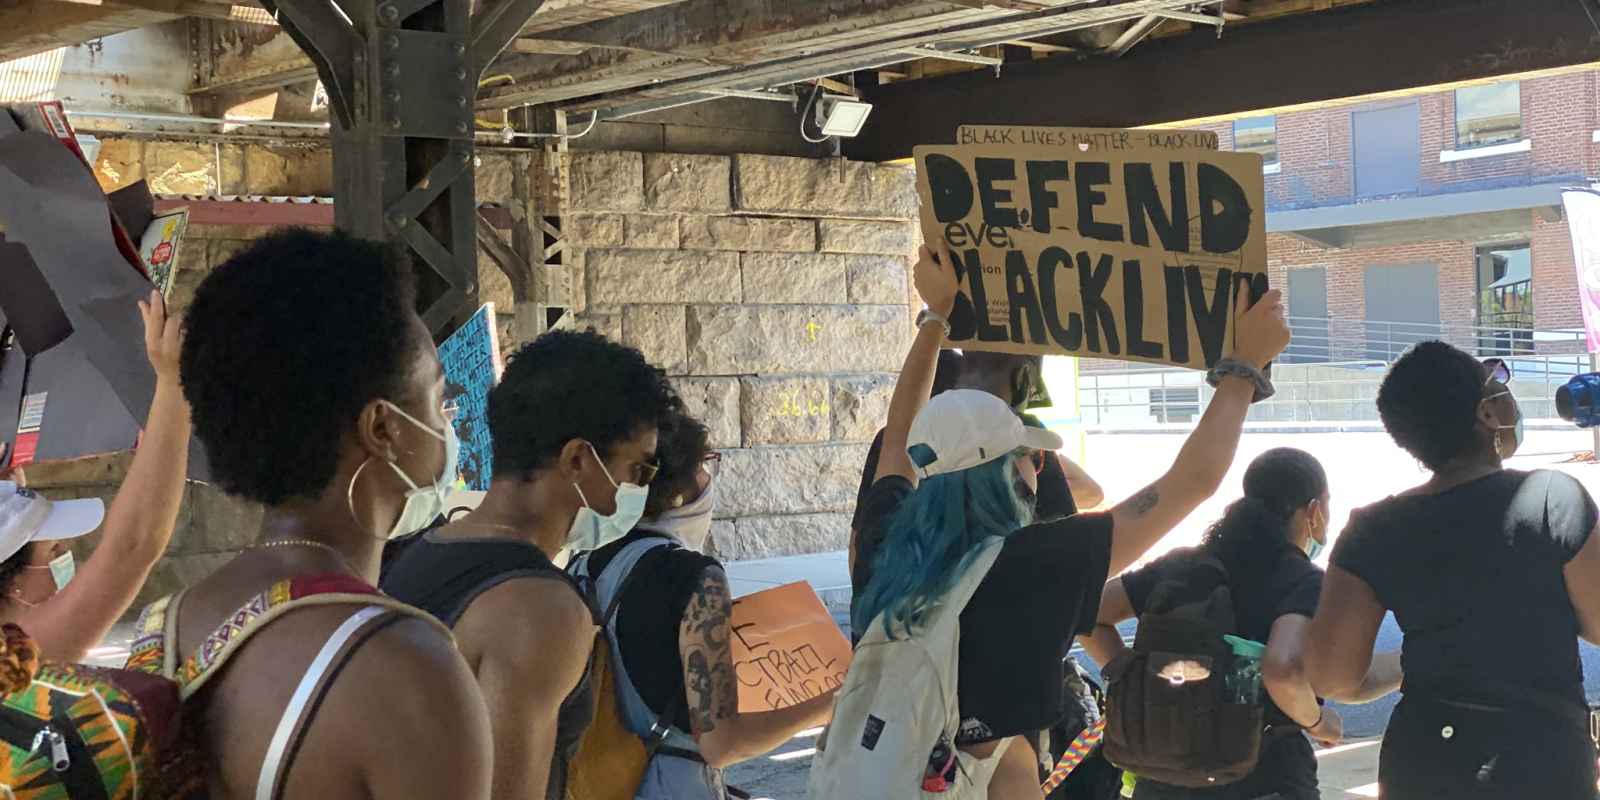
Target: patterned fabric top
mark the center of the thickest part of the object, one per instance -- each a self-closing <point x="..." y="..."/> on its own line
<point x="148" y="653"/>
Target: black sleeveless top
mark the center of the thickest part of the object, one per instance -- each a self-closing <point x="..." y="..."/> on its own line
<point x="443" y="577"/>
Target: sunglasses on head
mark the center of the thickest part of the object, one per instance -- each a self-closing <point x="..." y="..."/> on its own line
<point x="1499" y="371"/>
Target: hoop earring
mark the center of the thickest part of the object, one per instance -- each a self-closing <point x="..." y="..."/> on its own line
<point x="350" y="496"/>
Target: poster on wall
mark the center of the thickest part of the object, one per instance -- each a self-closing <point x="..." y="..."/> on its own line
<point x="1116" y="244"/>
<point x="786" y="648"/>
<point x="472" y="366"/>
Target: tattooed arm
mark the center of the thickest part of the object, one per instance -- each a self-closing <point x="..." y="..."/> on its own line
<point x="1261" y="333"/>
<point x="725" y="735"/>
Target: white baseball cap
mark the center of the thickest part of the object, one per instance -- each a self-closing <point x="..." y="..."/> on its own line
<point x="964" y="428"/>
<point x="26" y="517"/>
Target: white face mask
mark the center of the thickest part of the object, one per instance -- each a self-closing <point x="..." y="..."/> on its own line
<point x="424" y="504"/>
<point x="590" y="530"/>
<point x="691" y="522"/>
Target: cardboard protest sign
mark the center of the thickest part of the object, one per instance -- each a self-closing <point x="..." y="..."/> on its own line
<point x="472" y="366"/>
<point x="786" y="648"/>
<point x="1098" y="243"/>
<point x="1086" y="139"/>
<point x="159" y="247"/>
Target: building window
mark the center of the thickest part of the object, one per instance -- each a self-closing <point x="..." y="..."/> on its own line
<point x="1505" y="299"/>
<point x="1257" y="135"/>
<point x="1488" y="115"/>
<point x="1170" y="404"/>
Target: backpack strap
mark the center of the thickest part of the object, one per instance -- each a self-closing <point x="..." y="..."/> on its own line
<point x="955" y="601"/>
<point x="308" y="695"/>
<point x="148" y="653"/>
<point x="169" y="633"/>
<point x="656" y="730"/>
<point x="281" y="598"/>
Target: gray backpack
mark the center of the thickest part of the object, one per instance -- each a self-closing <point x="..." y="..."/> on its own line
<point x="676" y="770"/>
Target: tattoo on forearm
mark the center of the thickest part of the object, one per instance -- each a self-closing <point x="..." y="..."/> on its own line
<point x="708" y="677"/>
<point x="1144" y="502"/>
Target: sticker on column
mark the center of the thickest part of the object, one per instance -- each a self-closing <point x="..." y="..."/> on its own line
<point x="28" y="428"/>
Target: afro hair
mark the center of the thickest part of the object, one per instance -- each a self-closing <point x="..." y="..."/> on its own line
<point x="1429" y="402"/>
<point x="284" y="345"/>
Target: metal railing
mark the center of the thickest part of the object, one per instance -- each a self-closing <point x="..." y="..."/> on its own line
<point x="1330" y="373"/>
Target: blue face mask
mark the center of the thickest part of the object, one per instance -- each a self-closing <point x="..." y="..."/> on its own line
<point x="1313" y="548"/>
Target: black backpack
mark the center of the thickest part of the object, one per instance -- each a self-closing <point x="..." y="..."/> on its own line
<point x="1168" y="715"/>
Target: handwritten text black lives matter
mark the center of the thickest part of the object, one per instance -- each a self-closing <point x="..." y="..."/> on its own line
<point x="1125" y="252"/>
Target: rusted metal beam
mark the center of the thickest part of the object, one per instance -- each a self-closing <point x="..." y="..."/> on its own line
<point x="694" y="37"/>
<point x="566" y="13"/>
<point x="879" y="48"/>
<point x="1345" y="52"/>
<point x="546" y="47"/>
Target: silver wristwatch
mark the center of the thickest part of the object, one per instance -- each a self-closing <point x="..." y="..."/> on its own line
<point x="928" y="315"/>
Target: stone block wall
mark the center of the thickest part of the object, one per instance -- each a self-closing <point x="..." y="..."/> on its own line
<point x="774" y="290"/>
<point x="776" y="293"/>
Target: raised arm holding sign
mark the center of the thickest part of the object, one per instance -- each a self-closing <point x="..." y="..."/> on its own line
<point x="1122" y="247"/>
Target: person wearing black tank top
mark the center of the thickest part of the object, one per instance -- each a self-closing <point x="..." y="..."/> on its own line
<point x="574" y="422"/>
<point x="1479" y="557"/>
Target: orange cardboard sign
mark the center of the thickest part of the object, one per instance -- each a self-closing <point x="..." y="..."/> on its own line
<point x="786" y="648"/>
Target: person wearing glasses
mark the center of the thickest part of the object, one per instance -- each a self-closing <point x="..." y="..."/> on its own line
<point x="574" y="421"/>
<point x="1492" y="574"/>
<point x="671" y="636"/>
<point x="961" y="469"/>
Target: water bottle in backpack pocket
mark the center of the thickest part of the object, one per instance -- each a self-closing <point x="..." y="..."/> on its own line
<point x="1183" y="707"/>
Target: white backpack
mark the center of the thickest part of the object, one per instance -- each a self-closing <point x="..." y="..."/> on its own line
<point x="898" y="704"/>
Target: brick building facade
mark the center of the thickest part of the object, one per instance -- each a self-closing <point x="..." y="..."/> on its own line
<point x="1359" y="190"/>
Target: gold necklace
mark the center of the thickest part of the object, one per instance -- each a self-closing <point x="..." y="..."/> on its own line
<point x="306" y="543"/>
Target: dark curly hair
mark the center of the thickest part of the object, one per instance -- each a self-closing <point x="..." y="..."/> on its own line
<point x="569" y="385"/>
<point x="284" y="345"/>
<point x="1277" y="483"/>
<point x="681" y="448"/>
<point x="1429" y="402"/>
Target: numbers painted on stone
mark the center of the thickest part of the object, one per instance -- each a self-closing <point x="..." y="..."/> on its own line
<point x="798" y="404"/>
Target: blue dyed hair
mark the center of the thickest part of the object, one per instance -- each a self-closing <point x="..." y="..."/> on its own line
<point x="933" y="536"/>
